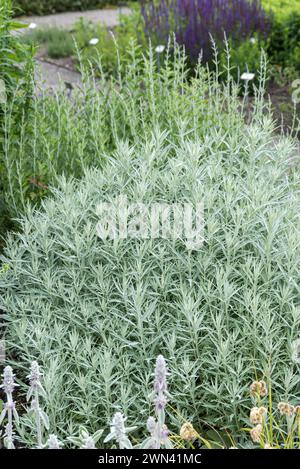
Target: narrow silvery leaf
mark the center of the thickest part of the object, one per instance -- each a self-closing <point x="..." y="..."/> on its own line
<point x="44" y="418"/>
<point x="2" y="416"/>
<point x="109" y="437"/>
<point x="97" y="435"/>
<point x="125" y="443"/>
<point x="16" y="415"/>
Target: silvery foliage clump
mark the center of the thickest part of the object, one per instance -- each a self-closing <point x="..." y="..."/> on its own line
<point x="88" y="307"/>
<point x="118" y="431"/>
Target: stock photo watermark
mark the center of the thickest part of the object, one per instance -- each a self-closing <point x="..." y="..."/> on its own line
<point x="122" y="220"/>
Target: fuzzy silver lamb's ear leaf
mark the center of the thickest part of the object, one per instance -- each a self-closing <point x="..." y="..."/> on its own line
<point x="8" y="443"/>
<point x="126" y="443"/>
<point x="83" y="432"/>
<point x="130" y="429"/>
<point x="168" y="444"/>
<point x="41" y="389"/>
<point x="2" y="416"/>
<point x="148" y="443"/>
<point x="75" y="440"/>
<point x="109" y="437"/>
<point x="29" y="394"/>
<point x="45" y="419"/>
<point x="16" y="415"/>
<point x="97" y="435"/>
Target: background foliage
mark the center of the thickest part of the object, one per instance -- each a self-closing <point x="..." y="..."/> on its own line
<point x="16" y="69"/>
<point x="249" y="30"/>
<point x="46" y="7"/>
<point x="282" y="8"/>
<point x="284" y="41"/>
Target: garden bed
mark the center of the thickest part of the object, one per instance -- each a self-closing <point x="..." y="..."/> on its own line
<point x="156" y="212"/>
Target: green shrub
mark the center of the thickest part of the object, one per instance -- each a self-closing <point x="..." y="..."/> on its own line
<point x="46" y="7"/>
<point x="60" y="44"/>
<point x="16" y="72"/>
<point x="281" y="8"/>
<point x="85" y="307"/>
<point x="284" y="41"/>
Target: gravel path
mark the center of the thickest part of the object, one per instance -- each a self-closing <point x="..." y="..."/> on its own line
<point x="49" y="76"/>
<point x="109" y="17"/>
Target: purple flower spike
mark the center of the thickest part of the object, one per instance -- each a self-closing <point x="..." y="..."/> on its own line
<point x="194" y="22"/>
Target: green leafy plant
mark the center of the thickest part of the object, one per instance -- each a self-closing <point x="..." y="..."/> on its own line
<point x="13" y="52"/>
<point x="284" y="41"/>
<point x="61" y="45"/>
<point x="16" y="87"/>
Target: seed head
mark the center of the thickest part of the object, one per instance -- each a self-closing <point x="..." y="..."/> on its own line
<point x="258" y="388"/>
<point x="263" y="411"/>
<point x="254" y="416"/>
<point x="256" y="433"/>
<point x="297" y="411"/>
<point x="257" y="414"/>
<point x="286" y="409"/>
<point x="187" y="432"/>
